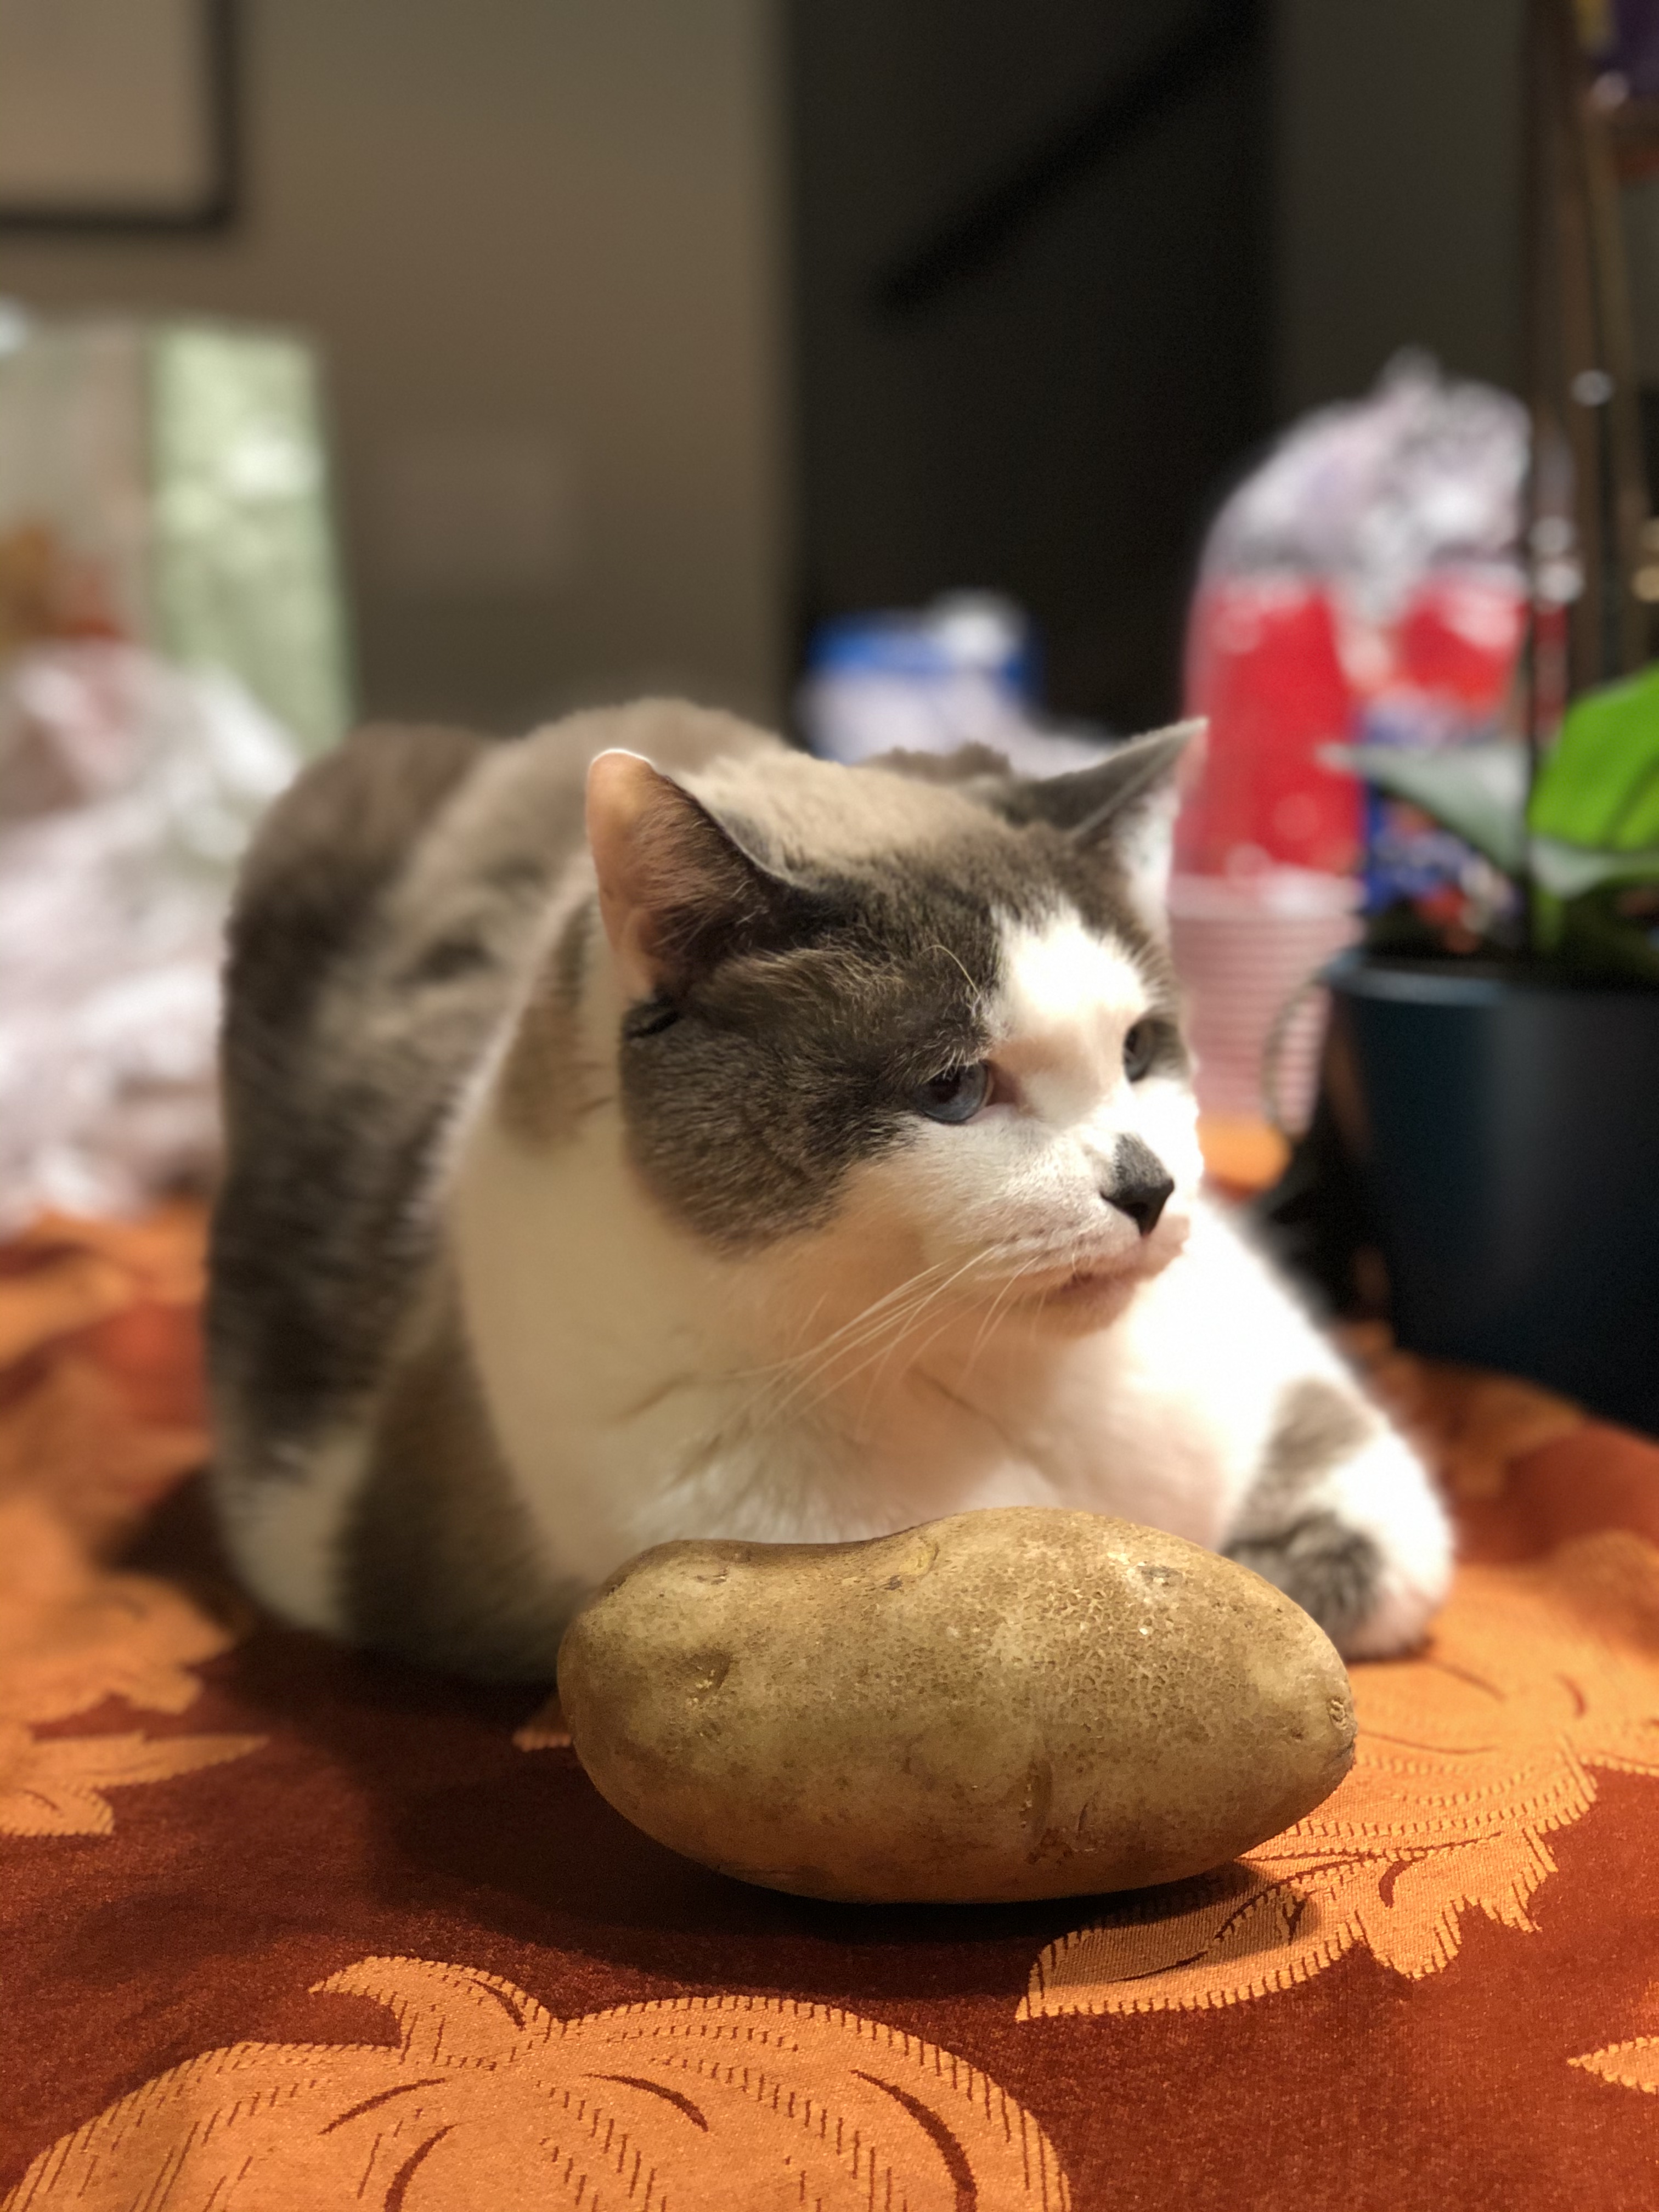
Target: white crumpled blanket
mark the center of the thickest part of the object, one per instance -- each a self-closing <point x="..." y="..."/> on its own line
<point x="128" y="789"/>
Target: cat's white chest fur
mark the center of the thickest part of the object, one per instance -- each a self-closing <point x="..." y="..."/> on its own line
<point x="642" y="1389"/>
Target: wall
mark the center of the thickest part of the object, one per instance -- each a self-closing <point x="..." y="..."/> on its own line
<point x="537" y="240"/>
<point x="1398" y="194"/>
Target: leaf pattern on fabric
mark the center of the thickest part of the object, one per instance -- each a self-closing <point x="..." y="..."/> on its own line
<point x="72" y="1635"/>
<point x="1468" y="1758"/>
<point x="1632" y="2065"/>
<point x="103" y="1410"/>
<point x="719" y="2103"/>
<point x="55" y="1786"/>
<point x="545" y="1729"/>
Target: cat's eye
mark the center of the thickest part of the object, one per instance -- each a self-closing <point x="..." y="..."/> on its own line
<point x="1139" y="1050"/>
<point x="650" y="1019"/>
<point x="956" y="1095"/>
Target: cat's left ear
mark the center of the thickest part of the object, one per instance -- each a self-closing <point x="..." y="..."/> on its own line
<point x="1124" y="808"/>
<point x="677" y="887"/>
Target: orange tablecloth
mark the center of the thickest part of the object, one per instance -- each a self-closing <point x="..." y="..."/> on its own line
<point x="282" y="1925"/>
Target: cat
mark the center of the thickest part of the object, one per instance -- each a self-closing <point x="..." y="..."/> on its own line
<point x="639" y="1129"/>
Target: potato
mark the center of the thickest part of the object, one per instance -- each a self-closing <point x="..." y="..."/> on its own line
<point x="1017" y="1703"/>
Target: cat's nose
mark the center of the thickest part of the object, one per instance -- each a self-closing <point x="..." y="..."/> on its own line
<point x="1141" y="1185"/>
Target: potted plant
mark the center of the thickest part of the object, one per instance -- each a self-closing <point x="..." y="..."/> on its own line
<point x="1483" y="1166"/>
<point x="1489" y="1120"/>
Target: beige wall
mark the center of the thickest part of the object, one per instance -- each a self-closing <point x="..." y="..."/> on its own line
<point x="539" y="241"/>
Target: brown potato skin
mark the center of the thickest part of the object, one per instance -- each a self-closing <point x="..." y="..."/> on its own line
<point x="1017" y="1703"/>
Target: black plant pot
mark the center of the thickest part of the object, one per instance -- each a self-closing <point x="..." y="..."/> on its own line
<point x="1505" y="1129"/>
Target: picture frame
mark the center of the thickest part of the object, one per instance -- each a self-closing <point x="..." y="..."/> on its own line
<point x="118" y="115"/>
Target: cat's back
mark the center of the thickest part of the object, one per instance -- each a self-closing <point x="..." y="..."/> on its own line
<point x="383" y="922"/>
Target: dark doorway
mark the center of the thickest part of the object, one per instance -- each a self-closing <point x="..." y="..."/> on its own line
<point x="1031" y="314"/>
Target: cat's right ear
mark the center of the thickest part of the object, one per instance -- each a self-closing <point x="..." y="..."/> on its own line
<point x="1124" y="807"/>
<point x="676" y="887"/>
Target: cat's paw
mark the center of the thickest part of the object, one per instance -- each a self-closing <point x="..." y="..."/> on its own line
<point x="1386" y="1492"/>
<point x="1367" y="1551"/>
<point x="1406" y="1598"/>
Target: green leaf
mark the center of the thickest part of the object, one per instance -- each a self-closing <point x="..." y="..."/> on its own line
<point x="1477" y="790"/>
<point x="1569" y="870"/>
<point x="1599" y="788"/>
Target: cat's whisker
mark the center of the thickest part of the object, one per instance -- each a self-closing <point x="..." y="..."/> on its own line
<point x="1040" y="1249"/>
<point x="892" y="1327"/>
<point x="798" y="1349"/>
<point x="881" y="1356"/>
<point x="903" y="1327"/>
<point x="795" y="1375"/>
<point x="889" y="1328"/>
<point x="1004" y="1291"/>
<point x="792" y="1359"/>
<point x="1004" y="1298"/>
<point x="873" y="1322"/>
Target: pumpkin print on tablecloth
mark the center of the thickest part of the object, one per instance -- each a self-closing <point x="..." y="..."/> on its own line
<point x="1467" y="1757"/>
<point x="722" y="2103"/>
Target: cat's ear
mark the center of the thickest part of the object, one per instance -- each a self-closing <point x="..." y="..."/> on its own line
<point x="1124" y="807"/>
<point x="676" y="886"/>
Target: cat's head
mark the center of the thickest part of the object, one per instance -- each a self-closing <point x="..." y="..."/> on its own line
<point x="915" y="1020"/>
